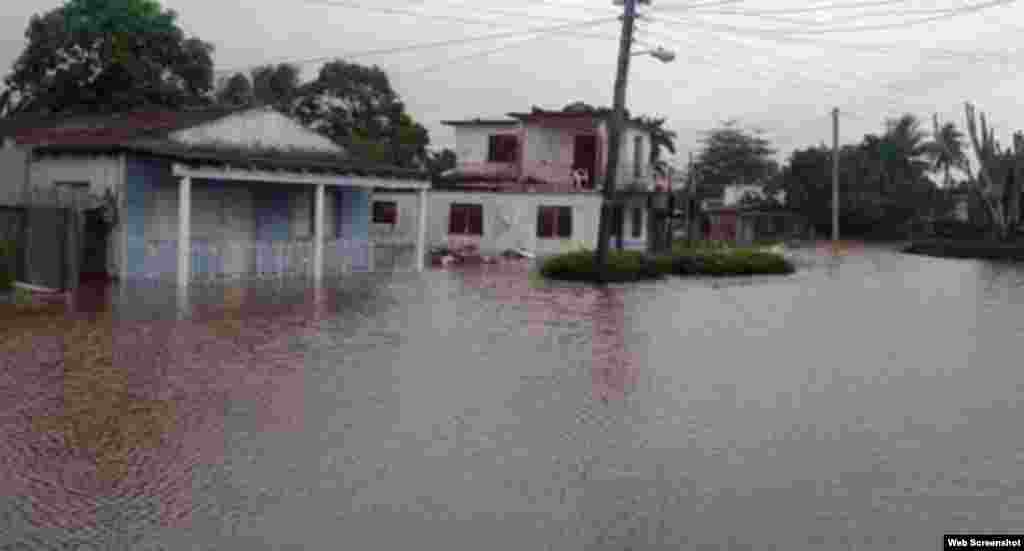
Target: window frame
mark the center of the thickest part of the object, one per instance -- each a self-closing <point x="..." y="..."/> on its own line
<point x="392" y="209"/>
<point x="554" y="222"/>
<point x="495" y="150"/>
<point x="466" y="219"/>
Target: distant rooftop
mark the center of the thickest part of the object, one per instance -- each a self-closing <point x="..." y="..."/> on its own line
<point x="481" y="122"/>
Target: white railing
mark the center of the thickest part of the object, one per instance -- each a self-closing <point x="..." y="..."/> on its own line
<point x="213" y="261"/>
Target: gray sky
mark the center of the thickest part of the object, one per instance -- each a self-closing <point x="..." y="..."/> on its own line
<point x="806" y="61"/>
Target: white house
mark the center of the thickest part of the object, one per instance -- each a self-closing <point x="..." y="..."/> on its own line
<point x="532" y="181"/>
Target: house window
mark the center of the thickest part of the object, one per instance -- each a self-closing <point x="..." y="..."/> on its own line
<point x="466" y="219"/>
<point x="554" y="222"/>
<point x="638" y="222"/>
<point x="385" y="212"/>
<point x="638" y="156"/>
<point x="502" y="148"/>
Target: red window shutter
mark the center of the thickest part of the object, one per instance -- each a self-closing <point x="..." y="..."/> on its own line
<point x="476" y="220"/>
<point x="565" y="222"/>
<point x="545" y="222"/>
<point x="456" y="219"/>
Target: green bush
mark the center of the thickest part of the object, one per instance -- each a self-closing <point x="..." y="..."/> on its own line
<point x="580" y="266"/>
<point x="730" y="263"/>
<point x="6" y="265"/>
<point x="633" y="265"/>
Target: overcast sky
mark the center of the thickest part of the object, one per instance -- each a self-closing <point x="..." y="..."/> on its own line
<point x="776" y="65"/>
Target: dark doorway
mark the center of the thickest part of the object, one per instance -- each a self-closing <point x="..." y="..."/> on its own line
<point x="95" y="236"/>
<point x="585" y="156"/>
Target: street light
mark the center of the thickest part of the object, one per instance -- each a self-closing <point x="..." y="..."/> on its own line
<point x="659" y="53"/>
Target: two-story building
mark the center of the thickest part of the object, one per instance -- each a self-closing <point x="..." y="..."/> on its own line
<point x="532" y="181"/>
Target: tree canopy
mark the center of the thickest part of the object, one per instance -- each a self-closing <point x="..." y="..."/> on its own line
<point x="106" y="56"/>
<point x="356" y="106"/>
<point x="732" y="155"/>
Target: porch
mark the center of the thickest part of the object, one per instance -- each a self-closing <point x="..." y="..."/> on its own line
<point x="205" y="224"/>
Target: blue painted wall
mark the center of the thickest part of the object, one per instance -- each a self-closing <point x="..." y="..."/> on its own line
<point x="142" y="176"/>
<point x="353" y="224"/>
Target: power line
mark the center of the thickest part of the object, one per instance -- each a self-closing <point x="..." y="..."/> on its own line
<point x="832" y="6"/>
<point x="487" y="53"/>
<point x="437" y="44"/>
<point x="953" y="12"/>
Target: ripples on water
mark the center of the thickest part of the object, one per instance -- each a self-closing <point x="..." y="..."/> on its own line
<point x="868" y="401"/>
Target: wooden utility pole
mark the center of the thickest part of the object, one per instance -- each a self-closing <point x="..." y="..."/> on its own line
<point x="835" y="176"/>
<point x="610" y="204"/>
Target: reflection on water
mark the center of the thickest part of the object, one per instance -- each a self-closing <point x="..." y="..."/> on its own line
<point x="868" y="401"/>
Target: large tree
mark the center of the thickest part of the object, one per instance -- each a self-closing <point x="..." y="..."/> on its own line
<point x="236" y="91"/>
<point x="276" y="85"/>
<point x="733" y="155"/>
<point x="356" y="106"/>
<point x="107" y="55"/>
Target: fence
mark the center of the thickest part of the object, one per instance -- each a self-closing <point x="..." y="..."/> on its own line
<point x="217" y="260"/>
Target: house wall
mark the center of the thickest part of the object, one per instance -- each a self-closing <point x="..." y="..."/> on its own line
<point x="103" y="173"/>
<point x="471" y="145"/>
<point x="510" y="220"/>
<point x="521" y="208"/>
<point x="549" y="149"/>
<point x="626" y="175"/>
<point x="12" y="175"/>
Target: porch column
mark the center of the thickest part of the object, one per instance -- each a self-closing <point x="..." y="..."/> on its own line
<point x="421" y="236"/>
<point x="318" y="233"/>
<point x="184" y="231"/>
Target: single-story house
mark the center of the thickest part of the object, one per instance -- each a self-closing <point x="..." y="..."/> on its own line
<point x="209" y="193"/>
<point x="745" y="225"/>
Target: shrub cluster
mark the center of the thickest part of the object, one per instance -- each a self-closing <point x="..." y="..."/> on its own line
<point x="701" y="260"/>
<point x="622" y="266"/>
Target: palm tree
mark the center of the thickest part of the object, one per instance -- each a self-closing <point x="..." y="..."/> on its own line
<point x="905" y="149"/>
<point x="947" y="148"/>
<point x="661" y="139"/>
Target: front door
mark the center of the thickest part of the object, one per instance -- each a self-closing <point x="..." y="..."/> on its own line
<point x="585" y="156"/>
<point x="94" y="247"/>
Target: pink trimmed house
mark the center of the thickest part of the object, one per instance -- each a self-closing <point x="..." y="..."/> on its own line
<point x="549" y="151"/>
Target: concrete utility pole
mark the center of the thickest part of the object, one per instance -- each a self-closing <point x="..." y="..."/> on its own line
<point x="610" y="204"/>
<point x="835" y="177"/>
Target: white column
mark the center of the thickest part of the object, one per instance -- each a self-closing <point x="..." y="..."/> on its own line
<point x="421" y="236"/>
<point x="318" y="233"/>
<point x="184" y="231"/>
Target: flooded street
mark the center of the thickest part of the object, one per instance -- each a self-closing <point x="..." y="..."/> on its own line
<point x="866" y="402"/>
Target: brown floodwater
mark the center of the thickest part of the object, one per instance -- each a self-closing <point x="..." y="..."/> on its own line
<point x="869" y="401"/>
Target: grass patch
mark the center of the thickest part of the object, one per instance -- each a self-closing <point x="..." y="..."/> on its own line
<point x="704" y="259"/>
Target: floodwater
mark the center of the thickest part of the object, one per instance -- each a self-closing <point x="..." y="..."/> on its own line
<point x="867" y="402"/>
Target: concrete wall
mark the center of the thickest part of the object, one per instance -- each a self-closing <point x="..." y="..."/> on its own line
<point x="518" y="208"/>
<point x="12" y="175"/>
<point x="103" y="173"/>
<point x="471" y="141"/>
<point x="548" y="152"/>
<point x="404" y="231"/>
